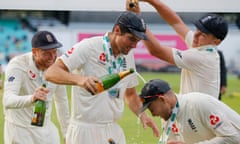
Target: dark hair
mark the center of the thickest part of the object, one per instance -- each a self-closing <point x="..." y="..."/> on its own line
<point x="123" y="29"/>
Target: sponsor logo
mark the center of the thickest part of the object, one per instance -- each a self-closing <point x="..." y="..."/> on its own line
<point x="124" y="63"/>
<point x="192" y="125"/>
<point x="178" y="53"/>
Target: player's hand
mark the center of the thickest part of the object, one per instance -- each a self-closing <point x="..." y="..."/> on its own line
<point x="223" y="89"/>
<point x="40" y="93"/>
<point x="89" y="83"/>
<point x="148" y="122"/>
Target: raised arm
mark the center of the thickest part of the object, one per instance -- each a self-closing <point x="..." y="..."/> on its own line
<point x="170" y="17"/>
<point x="152" y="44"/>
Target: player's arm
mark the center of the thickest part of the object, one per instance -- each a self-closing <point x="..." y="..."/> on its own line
<point x="152" y="44"/>
<point x="14" y="77"/>
<point x="170" y="17"/>
<point x="134" y="103"/>
<point x="156" y="49"/>
<point x="58" y="73"/>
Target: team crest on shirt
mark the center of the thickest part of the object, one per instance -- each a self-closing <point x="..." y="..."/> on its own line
<point x="174" y="128"/>
<point x="32" y="74"/>
<point x="215" y="121"/>
<point x="102" y="58"/>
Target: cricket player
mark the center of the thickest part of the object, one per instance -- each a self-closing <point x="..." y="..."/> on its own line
<point x="192" y="118"/>
<point x="94" y="117"/>
<point x="200" y="63"/>
<point x="23" y="86"/>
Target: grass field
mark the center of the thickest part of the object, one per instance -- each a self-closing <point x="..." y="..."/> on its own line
<point x="134" y="132"/>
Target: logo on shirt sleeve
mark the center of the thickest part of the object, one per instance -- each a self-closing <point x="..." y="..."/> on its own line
<point x="69" y="52"/>
<point x="179" y="54"/>
<point x="215" y="121"/>
<point x="11" y="79"/>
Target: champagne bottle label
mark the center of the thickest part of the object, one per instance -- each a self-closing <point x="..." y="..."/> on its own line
<point x="99" y="87"/>
<point x="38" y="119"/>
<point x="34" y="120"/>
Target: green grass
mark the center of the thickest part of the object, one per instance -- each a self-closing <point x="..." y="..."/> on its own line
<point x="134" y="132"/>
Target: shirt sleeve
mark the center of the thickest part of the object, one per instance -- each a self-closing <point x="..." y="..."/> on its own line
<point x="62" y="108"/>
<point x="77" y="56"/>
<point x="189" y="39"/>
<point x="188" y="59"/>
<point x="13" y="81"/>
<point x="212" y="117"/>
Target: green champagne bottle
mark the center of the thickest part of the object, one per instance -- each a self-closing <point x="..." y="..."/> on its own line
<point x="110" y="80"/>
<point x="39" y="112"/>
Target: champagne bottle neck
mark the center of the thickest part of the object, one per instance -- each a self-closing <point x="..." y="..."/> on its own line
<point x="125" y="73"/>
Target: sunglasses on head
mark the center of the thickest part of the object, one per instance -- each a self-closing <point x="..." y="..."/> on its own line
<point x="149" y="98"/>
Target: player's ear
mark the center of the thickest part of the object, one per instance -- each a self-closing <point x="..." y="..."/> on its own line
<point x="34" y="51"/>
<point x="162" y="97"/>
<point x="117" y="30"/>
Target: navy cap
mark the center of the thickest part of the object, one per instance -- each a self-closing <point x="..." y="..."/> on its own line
<point x="151" y="90"/>
<point x="134" y="23"/>
<point x="213" y="24"/>
<point x="45" y="40"/>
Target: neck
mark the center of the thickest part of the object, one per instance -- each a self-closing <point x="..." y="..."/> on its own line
<point x="115" y="50"/>
<point x="172" y="99"/>
<point x="39" y="67"/>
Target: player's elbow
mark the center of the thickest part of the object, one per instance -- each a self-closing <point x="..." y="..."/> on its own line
<point x="48" y="74"/>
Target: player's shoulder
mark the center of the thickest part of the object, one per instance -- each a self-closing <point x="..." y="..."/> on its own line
<point x="197" y="97"/>
<point x="20" y="59"/>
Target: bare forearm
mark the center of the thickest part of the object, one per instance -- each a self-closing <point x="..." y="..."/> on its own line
<point x="60" y="76"/>
<point x="133" y="101"/>
<point x="170" y="17"/>
<point x="165" y="12"/>
<point x="158" y="50"/>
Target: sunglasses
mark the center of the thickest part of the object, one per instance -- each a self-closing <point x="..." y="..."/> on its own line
<point x="145" y="99"/>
